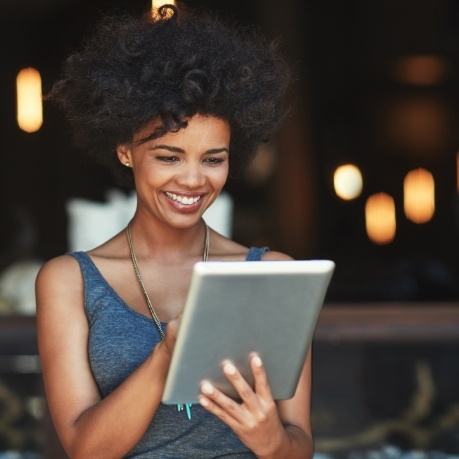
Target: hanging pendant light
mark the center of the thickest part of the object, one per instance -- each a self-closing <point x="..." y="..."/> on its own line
<point x="380" y="218"/>
<point x="419" y="195"/>
<point x="347" y="181"/>
<point x="29" y="100"/>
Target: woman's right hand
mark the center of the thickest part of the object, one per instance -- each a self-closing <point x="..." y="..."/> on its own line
<point x="172" y="328"/>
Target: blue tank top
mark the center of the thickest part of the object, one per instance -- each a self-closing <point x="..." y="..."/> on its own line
<point x="120" y="339"/>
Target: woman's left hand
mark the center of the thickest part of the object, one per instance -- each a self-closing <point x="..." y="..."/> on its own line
<point x="256" y="418"/>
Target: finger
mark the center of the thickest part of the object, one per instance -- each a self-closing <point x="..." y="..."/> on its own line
<point x="218" y="411"/>
<point x="218" y="403"/>
<point x="240" y="384"/>
<point x="171" y="334"/>
<point x="261" y="383"/>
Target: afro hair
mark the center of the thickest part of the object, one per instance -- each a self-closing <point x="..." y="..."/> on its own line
<point x="171" y="65"/>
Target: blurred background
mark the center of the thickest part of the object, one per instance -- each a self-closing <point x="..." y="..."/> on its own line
<point x="365" y="172"/>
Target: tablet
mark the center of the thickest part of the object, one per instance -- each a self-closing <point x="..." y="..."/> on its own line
<point x="236" y="308"/>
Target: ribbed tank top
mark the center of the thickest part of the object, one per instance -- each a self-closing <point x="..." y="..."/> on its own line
<point x="120" y="339"/>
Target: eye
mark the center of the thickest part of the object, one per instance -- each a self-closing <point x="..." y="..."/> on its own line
<point x="168" y="159"/>
<point x="213" y="161"/>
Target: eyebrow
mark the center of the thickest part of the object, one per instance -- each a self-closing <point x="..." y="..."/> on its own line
<point x="180" y="150"/>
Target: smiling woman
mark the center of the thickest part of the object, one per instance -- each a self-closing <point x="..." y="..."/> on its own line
<point x="174" y="103"/>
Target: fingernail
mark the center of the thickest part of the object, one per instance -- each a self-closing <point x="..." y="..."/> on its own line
<point x="204" y="402"/>
<point x="207" y="388"/>
<point x="229" y="369"/>
<point x="257" y="361"/>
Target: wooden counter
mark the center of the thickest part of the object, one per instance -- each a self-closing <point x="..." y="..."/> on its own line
<point x="389" y="322"/>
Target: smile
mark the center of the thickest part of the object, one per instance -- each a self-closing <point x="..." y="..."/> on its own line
<point x="183" y="199"/>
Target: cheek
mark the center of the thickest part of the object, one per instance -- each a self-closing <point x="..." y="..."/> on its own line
<point x="150" y="175"/>
<point x="220" y="177"/>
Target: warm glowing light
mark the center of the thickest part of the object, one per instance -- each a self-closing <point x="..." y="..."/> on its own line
<point x="158" y="3"/>
<point x="347" y="181"/>
<point x="380" y="218"/>
<point x="419" y="195"/>
<point x="29" y="100"/>
<point x="419" y="125"/>
<point x="421" y="70"/>
<point x="155" y="4"/>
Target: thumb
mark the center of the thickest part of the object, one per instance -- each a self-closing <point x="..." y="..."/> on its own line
<point x="171" y="333"/>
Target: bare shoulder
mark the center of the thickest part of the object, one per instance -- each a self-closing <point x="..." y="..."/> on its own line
<point x="227" y="249"/>
<point x="276" y="256"/>
<point x="223" y="248"/>
<point x="58" y="285"/>
<point x="57" y="270"/>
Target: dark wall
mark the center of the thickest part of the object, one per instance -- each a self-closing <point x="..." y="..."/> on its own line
<point x="343" y="55"/>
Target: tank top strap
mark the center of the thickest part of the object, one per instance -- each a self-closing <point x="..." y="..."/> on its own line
<point x="256" y="253"/>
<point x="94" y="283"/>
<point x="87" y="266"/>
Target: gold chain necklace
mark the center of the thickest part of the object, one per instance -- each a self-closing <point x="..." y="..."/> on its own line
<point x="205" y="256"/>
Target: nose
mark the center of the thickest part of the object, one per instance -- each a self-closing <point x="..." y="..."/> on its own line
<point x="191" y="175"/>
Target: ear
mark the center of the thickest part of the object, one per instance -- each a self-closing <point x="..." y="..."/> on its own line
<point x="124" y="155"/>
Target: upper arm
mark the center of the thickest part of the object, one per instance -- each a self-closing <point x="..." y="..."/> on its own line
<point x="296" y="410"/>
<point x="276" y="256"/>
<point x="62" y="331"/>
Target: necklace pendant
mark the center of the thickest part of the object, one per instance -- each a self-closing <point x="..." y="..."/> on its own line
<point x="186" y="407"/>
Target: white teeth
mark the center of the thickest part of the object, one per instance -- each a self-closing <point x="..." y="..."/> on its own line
<point x="183" y="199"/>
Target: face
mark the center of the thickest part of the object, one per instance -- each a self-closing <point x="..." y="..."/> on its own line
<point x="178" y="176"/>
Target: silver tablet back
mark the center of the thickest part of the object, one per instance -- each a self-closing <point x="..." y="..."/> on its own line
<point x="236" y="308"/>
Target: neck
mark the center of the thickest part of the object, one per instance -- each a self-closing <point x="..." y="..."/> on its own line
<point x="168" y="243"/>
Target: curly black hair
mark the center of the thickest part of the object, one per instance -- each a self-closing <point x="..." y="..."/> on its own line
<point x="172" y="65"/>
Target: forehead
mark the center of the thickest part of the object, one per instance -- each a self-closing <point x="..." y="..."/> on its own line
<point x="199" y="130"/>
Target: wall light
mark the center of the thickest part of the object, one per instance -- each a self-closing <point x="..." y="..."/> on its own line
<point x="421" y="70"/>
<point x="420" y="125"/>
<point x="29" y="100"/>
<point x="347" y="181"/>
<point x="419" y="195"/>
<point x="380" y="218"/>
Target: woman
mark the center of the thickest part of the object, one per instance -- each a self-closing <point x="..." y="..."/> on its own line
<point x="175" y="102"/>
